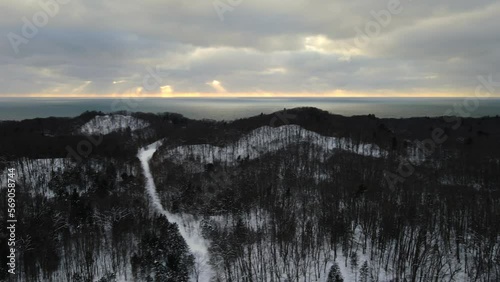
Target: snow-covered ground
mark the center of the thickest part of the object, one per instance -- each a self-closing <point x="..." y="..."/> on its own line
<point x="189" y="227"/>
<point x="103" y="125"/>
<point x="269" y="139"/>
<point x="253" y="145"/>
<point x="36" y="174"/>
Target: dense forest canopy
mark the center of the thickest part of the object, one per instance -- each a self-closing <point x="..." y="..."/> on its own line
<point x="296" y="195"/>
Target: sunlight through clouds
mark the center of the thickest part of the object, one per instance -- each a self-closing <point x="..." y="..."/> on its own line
<point x="262" y="45"/>
<point x="217" y="86"/>
<point x="166" y="90"/>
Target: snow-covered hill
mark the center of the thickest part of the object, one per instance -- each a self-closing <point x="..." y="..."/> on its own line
<point x="37" y="173"/>
<point x="110" y="123"/>
<point x="40" y="176"/>
<point x="269" y="139"/>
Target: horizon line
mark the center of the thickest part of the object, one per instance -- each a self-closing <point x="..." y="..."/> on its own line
<point x="140" y="93"/>
<point x="241" y="97"/>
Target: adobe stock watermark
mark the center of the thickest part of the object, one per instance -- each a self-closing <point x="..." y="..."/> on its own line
<point x="84" y="148"/>
<point x="151" y="81"/>
<point x="373" y="28"/>
<point x="283" y="117"/>
<point x="381" y="19"/>
<point x="11" y="220"/>
<point x="219" y="177"/>
<point x="32" y="26"/>
<point x="485" y="89"/>
<point x="223" y="6"/>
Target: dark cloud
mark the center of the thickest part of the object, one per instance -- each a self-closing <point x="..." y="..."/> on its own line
<point x="297" y="46"/>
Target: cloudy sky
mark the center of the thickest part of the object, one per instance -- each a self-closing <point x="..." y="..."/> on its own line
<point x="95" y="48"/>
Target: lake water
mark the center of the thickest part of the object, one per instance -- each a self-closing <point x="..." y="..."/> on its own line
<point x="232" y="108"/>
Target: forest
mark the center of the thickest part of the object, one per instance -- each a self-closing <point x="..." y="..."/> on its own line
<point x="311" y="197"/>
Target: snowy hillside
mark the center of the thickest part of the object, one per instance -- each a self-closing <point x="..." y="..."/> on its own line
<point x="44" y="176"/>
<point x="37" y="173"/>
<point x="268" y="139"/>
<point x="110" y="123"/>
<point x="215" y="201"/>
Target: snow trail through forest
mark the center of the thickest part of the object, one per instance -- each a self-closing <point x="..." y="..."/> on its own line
<point x="189" y="227"/>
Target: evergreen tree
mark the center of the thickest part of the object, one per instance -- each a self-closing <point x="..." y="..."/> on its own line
<point x="364" y="272"/>
<point x="354" y="264"/>
<point x="164" y="253"/>
<point x="335" y="275"/>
